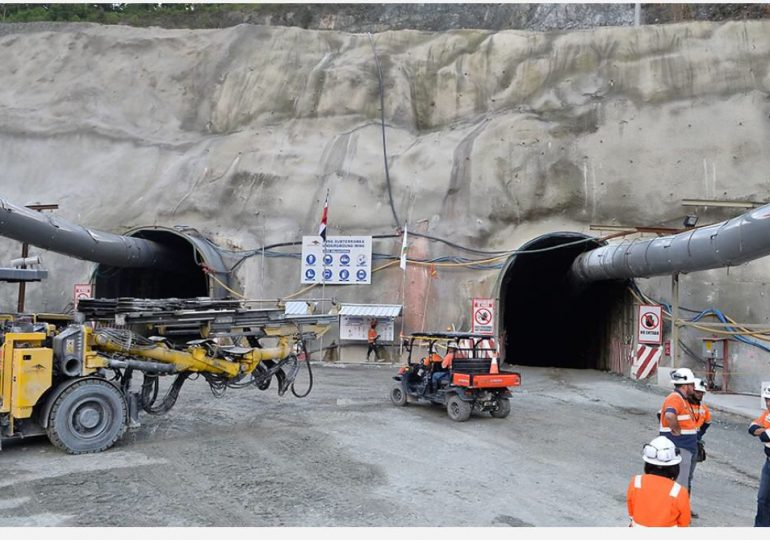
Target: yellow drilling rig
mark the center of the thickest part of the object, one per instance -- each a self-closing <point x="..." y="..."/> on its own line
<point x="73" y="381"/>
<point x="82" y="380"/>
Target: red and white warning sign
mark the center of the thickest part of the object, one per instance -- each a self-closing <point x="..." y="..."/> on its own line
<point x="83" y="290"/>
<point x="483" y="316"/>
<point x="650" y="325"/>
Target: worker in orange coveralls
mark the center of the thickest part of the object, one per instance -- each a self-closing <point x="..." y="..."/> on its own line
<point x="654" y="498"/>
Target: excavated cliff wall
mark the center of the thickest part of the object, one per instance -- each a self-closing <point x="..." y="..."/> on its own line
<point x="493" y="138"/>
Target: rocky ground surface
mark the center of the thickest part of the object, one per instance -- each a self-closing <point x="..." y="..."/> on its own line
<point x="344" y="456"/>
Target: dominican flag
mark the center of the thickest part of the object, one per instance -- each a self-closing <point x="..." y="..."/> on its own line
<point x="324" y="217"/>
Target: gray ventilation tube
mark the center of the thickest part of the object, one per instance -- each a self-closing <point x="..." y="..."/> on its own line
<point x="48" y="231"/>
<point x="729" y="243"/>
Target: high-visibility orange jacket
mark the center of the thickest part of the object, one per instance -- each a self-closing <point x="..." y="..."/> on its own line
<point x="372" y="335"/>
<point x="702" y="418"/>
<point x="655" y="501"/>
<point x="762" y="421"/>
<point x="447" y="361"/>
<point x="675" y="402"/>
<point x="432" y="357"/>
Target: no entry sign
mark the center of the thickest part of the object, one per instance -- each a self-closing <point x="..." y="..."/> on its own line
<point x="483" y="316"/>
<point x="83" y="290"/>
<point x="650" y="325"/>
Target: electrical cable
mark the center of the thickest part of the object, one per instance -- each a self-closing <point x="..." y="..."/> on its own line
<point x="728" y="324"/>
<point x="382" y="121"/>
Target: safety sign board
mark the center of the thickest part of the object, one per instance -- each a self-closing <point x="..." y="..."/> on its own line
<point x="341" y="260"/>
<point x="483" y="316"/>
<point x="83" y="290"/>
<point x="650" y="325"/>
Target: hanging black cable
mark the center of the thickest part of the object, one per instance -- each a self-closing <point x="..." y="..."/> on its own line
<point x="309" y="370"/>
<point x="382" y="122"/>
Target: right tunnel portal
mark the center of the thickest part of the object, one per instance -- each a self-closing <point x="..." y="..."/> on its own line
<point x="546" y="319"/>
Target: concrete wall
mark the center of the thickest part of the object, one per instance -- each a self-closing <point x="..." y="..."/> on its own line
<point x="493" y="138"/>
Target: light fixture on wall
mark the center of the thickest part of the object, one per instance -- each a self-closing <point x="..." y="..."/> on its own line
<point x="690" y="221"/>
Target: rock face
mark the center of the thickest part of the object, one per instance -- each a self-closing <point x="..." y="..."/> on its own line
<point x="492" y="138"/>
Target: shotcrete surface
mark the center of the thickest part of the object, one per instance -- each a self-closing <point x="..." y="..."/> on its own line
<point x="344" y="456"/>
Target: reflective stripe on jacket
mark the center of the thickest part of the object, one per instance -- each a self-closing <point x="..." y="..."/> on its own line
<point x="655" y="501"/>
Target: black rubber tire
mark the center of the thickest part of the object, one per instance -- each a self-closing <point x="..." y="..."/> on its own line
<point x="88" y="417"/>
<point x="458" y="410"/>
<point x="503" y="408"/>
<point x="398" y="396"/>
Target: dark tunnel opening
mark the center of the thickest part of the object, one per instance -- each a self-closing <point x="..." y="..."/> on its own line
<point x="546" y="320"/>
<point x="187" y="280"/>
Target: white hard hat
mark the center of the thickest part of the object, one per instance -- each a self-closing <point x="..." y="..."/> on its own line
<point x="682" y="376"/>
<point x="766" y="392"/>
<point x="451" y="346"/>
<point x="661" y="451"/>
<point x="700" y="385"/>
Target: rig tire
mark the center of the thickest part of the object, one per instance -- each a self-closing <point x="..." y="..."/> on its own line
<point x="88" y="416"/>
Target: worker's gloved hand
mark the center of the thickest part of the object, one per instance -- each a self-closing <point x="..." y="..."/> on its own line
<point x="701" y="452"/>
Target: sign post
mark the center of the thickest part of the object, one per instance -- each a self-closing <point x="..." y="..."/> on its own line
<point x="483" y="316"/>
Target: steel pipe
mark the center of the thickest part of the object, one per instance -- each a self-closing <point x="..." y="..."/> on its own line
<point x="728" y="243"/>
<point x="155" y="367"/>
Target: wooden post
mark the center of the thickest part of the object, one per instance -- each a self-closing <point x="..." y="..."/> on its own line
<point x="25" y="254"/>
<point x="22" y="284"/>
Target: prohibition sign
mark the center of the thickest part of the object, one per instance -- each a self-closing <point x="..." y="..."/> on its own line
<point x="482" y="316"/>
<point x="650" y="321"/>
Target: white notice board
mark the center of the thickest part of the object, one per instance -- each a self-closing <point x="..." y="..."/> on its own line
<point x="343" y="260"/>
<point x="357" y="328"/>
<point x="650" y="325"/>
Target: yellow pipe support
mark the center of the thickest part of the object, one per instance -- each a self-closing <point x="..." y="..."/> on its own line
<point x="281" y="351"/>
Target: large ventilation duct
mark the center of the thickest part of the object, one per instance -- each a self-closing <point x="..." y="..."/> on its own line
<point x="729" y="243"/>
<point x="48" y="231"/>
<point x="147" y="262"/>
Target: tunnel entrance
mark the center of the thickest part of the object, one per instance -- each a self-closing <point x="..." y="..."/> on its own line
<point x="545" y="320"/>
<point x="186" y="280"/>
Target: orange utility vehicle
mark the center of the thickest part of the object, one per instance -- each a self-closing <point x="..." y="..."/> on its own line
<point x="474" y="381"/>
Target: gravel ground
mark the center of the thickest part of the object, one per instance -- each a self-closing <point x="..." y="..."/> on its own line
<point x="344" y="456"/>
